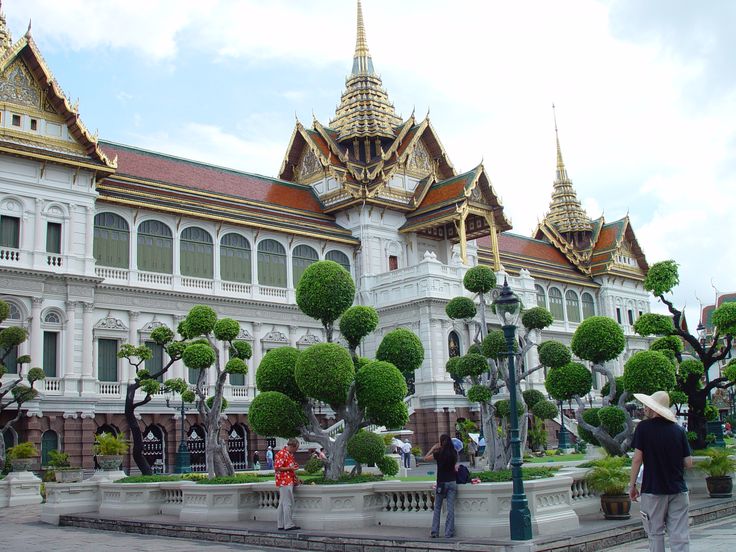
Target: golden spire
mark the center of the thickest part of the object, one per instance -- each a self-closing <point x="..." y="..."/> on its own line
<point x="565" y="211"/>
<point x="6" y="41"/>
<point x="365" y="110"/>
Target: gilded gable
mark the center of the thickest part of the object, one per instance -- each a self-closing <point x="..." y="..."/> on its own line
<point x="308" y="166"/>
<point x="18" y="86"/>
<point x="625" y="257"/>
<point x="419" y="162"/>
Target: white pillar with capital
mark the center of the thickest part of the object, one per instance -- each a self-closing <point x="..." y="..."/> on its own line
<point x="133" y="340"/>
<point x="256" y="357"/>
<point x="70" y="369"/>
<point x="89" y="387"/>
<point x="36" y="334"/>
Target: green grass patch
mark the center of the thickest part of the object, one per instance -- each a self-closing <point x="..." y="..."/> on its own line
<point x="555" y="458"/>
<point x="589" y="464"/>
<point x="344" y="480"/>
<point x="505" y="475"/>
<point x="149" y="478"/>
<point x="233" y="480"/>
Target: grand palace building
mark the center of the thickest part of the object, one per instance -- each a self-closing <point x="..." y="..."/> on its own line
<point x="100" y="243"/>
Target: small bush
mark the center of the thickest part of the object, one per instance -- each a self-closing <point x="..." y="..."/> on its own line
<point x="479" y="279"/>
<point x="553" y="354"/>
<point x="536" y="318"/>
<point x="403" y="349"/>
<point x="149" y="478"/>
<point x="366" y="447"/>
<point x="231" y="480"/>
<point x="22" y="450"/>
<point x="461" y="308"/>
<point x="313" y="465"/>
<point x="505" y="475"/>
<point x="388" y="466"/>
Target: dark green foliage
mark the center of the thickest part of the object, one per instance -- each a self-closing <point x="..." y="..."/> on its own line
<point x="230" y="480"/>
<point x="23" y="359"/>
<point x="568" y="381"/>
<point x="730" y="371"/>
<point x="503" y="408"/>
<point x="159" y="478"/>
<point x="648" y="372"/>
<point x="452" y="366"/>
<point x="532" y="397"/>
<point x="724" y="318"/>
<point x="241" y="349"/>
<point x="314" y="465"/>
<point x="662" y="277"/>
<point x="325" y="291"/>
<point x="175" y="349"/>
<point x="366" y="447"/>
<point x="590" y="415"/>
<point x="536" y="318"/>
<point x="403" y="349"/>
<point x="710" y="412"/>
<point x="324" y="371"/>
<point x="210" y="401"/>
<point x="23" y="393"/>
<point x="276" y="372"/>
<point x="198" y="356"/>
<point x="527" y="474"/>
<point x="391" y="415"/>
<point x="388" y="466"/>
<point x="553" y="354"/>
<point x="150" y="386"/>
<point x="678" y="397"/>
<point x="654" y="324"/>
<point x="667" y="343"/>
<point x="236" y="366"/>
<point x="226" y="329"/>
<point x="162" y="335"/>
<point x="357" y="322"/>
<point x="612" y="419"/>
<point x="348" y="479"/>
<point x="201" y="320"/>
<point x="544" y="410"/>
<point x="273" y="413"/>
<point x="176" y="385"/>
<point x="598" y="339"/>
<point x="494" y="345"/>
<point x="479" y="393"/>
<point x="35" y="374"/>
<point x="4" y="310"/>
<point x="479" y="279"/>
<point x="379" y="383"/>
<point x="461" y="308"/>
<point x="619" y="389"/>
<point x="471" y="365"/>
<point x="690" y="366"/>
<point x="475" y="349"/>
<point x="12" y="336"/>
<point x="188" y="396"/>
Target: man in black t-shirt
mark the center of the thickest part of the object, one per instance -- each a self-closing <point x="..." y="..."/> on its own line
<point x="661" y="446"/>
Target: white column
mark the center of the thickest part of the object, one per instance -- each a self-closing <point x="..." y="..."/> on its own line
<point x="133" y="340"/>
<point x="70" y="368"/>
<point x="178" y="370"/>
<point x="88" y="360"/>
<point x="69" y="233"/>
<point x="89" y="231"/>
<point x="256" y="357"/>
<point x="38" y="234"/>
<point x="36" y="334"/>
<point x="293" y="332"/>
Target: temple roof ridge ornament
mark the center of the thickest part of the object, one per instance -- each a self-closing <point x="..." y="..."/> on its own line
<point x="6" y="39"/>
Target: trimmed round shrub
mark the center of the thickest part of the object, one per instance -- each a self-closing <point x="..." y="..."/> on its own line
<point x="690" y="367"/>
<point x="479" y="279"/>
<point x="648" y="372"/>
<point x="598" y="339"/>
<point x="388" y="466"/>
<point x="590" y="415"/>
<point x="461" y="308"/>
<point x="475" y="349"/>
<point x="678" y="397"/>
<point x="661" y="277"/>
<point x="568" y="381"/>
<point x="150" y="386"/>
<point x="654" y="324"/>
<point x="23" y="359"/>
<point x="392" y="415"/>
<point x="366" y="447"/>
<point x="452" y="366"/>
<point x="276" y="372"/>
<point x="363" y="362"/>
<point x="532" y="397"/>
<point x="471" y="365"/>
<point x="612" y="419"/>
<point x="226" y="329"/>
<point x="553" y="354"/>
<point x="667" y="343"/>
<point x="494" y="345"/>
<point x="479" y="393"/>
<point x="201" y="320"/>
<point x="544" y="410"/>
<point x="670" y="356"/>
<point x="325" y="291"/>
<point x="730" y="371"/>
<point x="324" y="371"/>
<point x="176" y="349"/>
<point x="211" y="400"/>
<point x="379" y="383"/>
<point x="724" y="318"/>
<point x="188" y="396"/>
<point x="313" y="466"/>
<point x="503" y="408"/>
<point x="619" y="389"/>
<point x="23" y="393"/>
<point x="4" y="310"/>
<point x="273" y="413"/>
<point x="403" y="349"/>
<point x="241" y="349"/>
<point x="12" y="336"/>
<point x="35" y="374"/>
<point x="536" y="318"/>
<point x="198" y="356"/>
<point x="236" y="366"/>
<point x="710" y="413"/>
<point x="162" y="335"/>
<point x="357" y="322"/>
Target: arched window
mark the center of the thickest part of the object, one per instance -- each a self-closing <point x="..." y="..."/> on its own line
<point x="588" y="305"/>
<point x="541" y="297"/>
<point x="340" y="258"/>
<point x="49" y="442"/>
<point x="573" y="306"/>
<point x="555" y="304"/>
<point x="235" y="259"/>
<point x="10" y="437"/>
<point x="196" y="253"/>
<point x="271" y="264"/>
<point x="9" y="357"/>
<point x="111" y="240"/>
<point x="301" y="258"/>
<point x="155" y="247"/>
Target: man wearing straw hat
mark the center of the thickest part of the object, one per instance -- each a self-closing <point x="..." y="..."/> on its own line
<point x="661" y="445"/>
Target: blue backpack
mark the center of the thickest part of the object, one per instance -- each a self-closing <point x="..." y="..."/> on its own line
<point x="463" y="475"/>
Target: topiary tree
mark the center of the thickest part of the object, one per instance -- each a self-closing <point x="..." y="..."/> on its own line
<point x="485" y="365"/>
<point x="360" y="391"/>
<point x="367" y="447"/>
<point x="660" y="280"/>
<point x="14" y="392"/>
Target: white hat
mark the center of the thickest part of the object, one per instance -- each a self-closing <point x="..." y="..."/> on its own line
<point x="659" y="402"/>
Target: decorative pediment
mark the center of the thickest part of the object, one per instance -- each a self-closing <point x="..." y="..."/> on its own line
<point x="275" y="337"/>
<point x="245" y="335"/>
<point x="152" y="325"/>
<point x="307" y="340"/>
<point x="419" y="161"/>
<point x="18" y="86"/>
<point x="111" y="323"/>
<point x="308" y="166"/>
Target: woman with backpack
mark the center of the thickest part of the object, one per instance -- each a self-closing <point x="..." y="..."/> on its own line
<point x="445" y="455"/>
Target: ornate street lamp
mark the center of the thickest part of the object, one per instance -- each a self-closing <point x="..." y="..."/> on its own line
<point x="508" y="309"/>
<point x="702" y="335"/>
<point x="183" y="456"/>
<point x="563" y="442"/>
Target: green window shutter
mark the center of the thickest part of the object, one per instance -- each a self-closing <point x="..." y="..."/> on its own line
<point x="193" y="375"/>
<point x="588" y="305"/>
<point x="235" y="259"/>
<point x="340" y="258"/>
<point x="53" y="237"/>
<point x="271" y="264"/>
<point x="50" y="353"/>
<point x="49" y="442"/>
<point x="196" y="253"/>
<point x="301" y="258"/>
<point x="555" y="304"/>
<point x="541" y="301"/>
<point x="155" y="247"/>
<point x="237" y="379"/>
<point x="9" y="231"/>
<point x="111" y="244"/>
<point x="156" y="363"/>
<point x="107" y="359"/>
<point x="573" y="306"/>
<point x="9" y="359"/>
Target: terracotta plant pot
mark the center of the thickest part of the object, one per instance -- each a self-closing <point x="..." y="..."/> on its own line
<point x="616" y="506"/>
<point x="22" y="464"/>
<point x="720" y="487"/>
<point x="110" y="463"/>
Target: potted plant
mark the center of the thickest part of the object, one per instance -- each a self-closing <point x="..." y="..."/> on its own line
<point x="609" y="478"/>
<point x="61" y="468"/>
<point x="22" y="456"/>
<point x="719" y="467"/>
<point x="109" y="449"/>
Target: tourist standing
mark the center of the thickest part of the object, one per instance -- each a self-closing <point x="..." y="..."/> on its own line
<point x="286" y="479"/>
<point x="661" y="446"/>
<point x="406" y="450"/>
<point x="445" y="455"/>
<point x="269" y="458"/>
<point x="256" y="461"/>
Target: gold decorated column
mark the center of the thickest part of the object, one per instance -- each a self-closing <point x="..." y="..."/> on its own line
<point x="463" y="241"/>
<point x="494" y="242"/>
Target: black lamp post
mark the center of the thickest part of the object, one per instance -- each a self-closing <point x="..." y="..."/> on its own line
<point x="183" y="456"/>
<point x="702" y="334"/>
<point x="563" y="442"/>
<point x="508" y="308"/>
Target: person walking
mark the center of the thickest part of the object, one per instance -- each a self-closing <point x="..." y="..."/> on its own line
<point x="256" y="461"/>
<point x="269" y="458"/>
<point x="445" y="455"/>
<point x="286" y="479"/>
<point x="661" y="446"/>
<point x="406" y="451"/>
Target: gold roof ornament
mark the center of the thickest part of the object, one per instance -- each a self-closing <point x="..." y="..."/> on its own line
<point x="565" y="212"/>
<point x="6" y="40"/>
<point x="364" y="110"/>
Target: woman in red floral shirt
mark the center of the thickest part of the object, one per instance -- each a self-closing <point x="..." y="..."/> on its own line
<point x="285" y="467"/>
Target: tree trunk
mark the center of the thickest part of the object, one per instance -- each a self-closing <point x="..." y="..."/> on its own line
<point x="135" y="431"/>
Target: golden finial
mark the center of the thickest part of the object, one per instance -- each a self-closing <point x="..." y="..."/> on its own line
<point x="28" y="31"/>
<point x="6" y="40"/>
<point x="362" y="63"/>
<point x="561" y="172"/>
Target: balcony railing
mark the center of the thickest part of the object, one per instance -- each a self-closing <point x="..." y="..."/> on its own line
<point x="51" y="386"/>
<point x="108" y="389"/>
<point x="9" y="255"/>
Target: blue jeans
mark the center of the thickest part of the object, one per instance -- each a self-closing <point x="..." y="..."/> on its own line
<point x="449" y="496"/>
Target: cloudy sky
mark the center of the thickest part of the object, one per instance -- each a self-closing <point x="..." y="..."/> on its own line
<point x="645" y="95"/>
